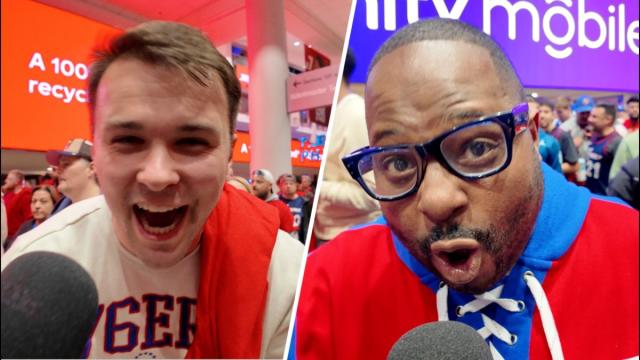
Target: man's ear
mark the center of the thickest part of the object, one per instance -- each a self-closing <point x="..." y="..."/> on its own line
<point x="234" y="137"/>
<point x="533" y="126"/>
<point x="92" y="169"/>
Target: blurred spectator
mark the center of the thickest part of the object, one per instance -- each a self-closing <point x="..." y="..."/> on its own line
<point x="631" y="124"/>
<point x="604" y="143"/>
<point x="43" y="198"/>
<point x="577" y="126"/>
<point x="627" y="150"/>
<point x="623" y="115"/>
<point x="289" y="195"/>
<point x="563" y="110"/>
<point x="239" y="183"/>
<point x="49" y="178"/>
<point x="548" y="146"/>
<point x="305" y="187"/>
<point x="17" y="199"/>
<point x="341" y="201"/>
<point x="76" y="175"/>
<point x="549" y="149"/>
<point x="552" y="127"/>
<point x="625" y="184"/>
<point x="262" y="187"/>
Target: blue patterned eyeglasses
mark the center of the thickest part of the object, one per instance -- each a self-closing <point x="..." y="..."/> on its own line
<point x="471" y="151"/>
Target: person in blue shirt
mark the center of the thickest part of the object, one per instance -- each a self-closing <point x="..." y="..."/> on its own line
<point x="549" y="149"/>
<point x="288" y="194"/>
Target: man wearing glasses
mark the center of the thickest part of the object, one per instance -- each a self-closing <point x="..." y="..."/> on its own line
<point x="475" y="228"/>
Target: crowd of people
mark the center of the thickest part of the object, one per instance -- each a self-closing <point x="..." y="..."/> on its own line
<point x="72" y="179"/>
<point x="293" y="198"/>
<point x="591" y="143"/>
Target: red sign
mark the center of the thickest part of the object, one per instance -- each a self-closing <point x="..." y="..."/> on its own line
<point x="45" y="53"/>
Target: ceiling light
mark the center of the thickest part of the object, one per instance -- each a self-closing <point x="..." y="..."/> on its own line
<point x="296" y="43"/>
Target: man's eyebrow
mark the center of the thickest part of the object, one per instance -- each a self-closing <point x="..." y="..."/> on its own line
<point x="187" y="128"/>
<point x="458" y="117"/>
<point x="379" y="135"/>
<point x="452" y="119"/>
<point x="192" y="128"/>
<point x="124" y="125"/>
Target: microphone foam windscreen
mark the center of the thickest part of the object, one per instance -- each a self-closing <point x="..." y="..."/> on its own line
<point x="444" y="340"/>
<point x="49" y="307"/>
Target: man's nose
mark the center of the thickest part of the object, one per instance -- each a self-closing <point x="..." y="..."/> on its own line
<point x="440" y="196"/>
<point x="159" y="170"/>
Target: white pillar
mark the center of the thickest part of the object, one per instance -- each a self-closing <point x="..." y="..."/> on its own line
<point x="269" y="126"/>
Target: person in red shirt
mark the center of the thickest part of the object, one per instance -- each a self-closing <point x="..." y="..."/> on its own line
<point x="305" y="187"/>
<point x="17" y="199"/>
<point x="631" y="124"/>
<point x="262" y="187"/>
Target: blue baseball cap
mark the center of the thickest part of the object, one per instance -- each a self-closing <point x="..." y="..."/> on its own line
<point x="583" y="103"/>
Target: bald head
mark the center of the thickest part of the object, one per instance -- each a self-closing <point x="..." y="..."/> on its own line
<point x="452" y="30"/>
<point x="13" y="181"/>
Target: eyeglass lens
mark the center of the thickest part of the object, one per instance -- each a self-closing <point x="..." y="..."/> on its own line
<point x="470" y="151"/>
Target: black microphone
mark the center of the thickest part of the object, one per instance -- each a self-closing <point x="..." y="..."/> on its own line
<point x="49" y="307"/>
<point x="443" y="340"/>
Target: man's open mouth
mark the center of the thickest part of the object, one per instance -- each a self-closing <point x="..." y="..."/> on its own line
<point x="159" y="220"/>
<point x="457" y="260"/>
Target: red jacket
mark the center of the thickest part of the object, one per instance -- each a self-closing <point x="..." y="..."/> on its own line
<point x="363" y="290"/>
<point x="18" y="209"/>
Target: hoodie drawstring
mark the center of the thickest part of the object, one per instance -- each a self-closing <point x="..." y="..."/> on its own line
<point x="491" y="327"/>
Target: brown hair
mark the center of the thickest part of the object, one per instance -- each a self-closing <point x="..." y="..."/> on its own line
<point x="240" y="180"/>
<point x="563" y="102"/>
<point x="173" y="45"/>
<point x="609" y="110"/>
<point x="48" y="188"/>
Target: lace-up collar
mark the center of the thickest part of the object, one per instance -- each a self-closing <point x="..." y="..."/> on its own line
<point x="492" y="330"/>
<point x="503" y="315"/>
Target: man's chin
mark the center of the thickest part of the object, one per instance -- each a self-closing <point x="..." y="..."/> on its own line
<point x="474" y="287"/>
<point x="160" y="259"/>
<point x="159" y="254"/>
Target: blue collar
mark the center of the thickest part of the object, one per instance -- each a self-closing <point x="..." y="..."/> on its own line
<point x="564" y="207"/>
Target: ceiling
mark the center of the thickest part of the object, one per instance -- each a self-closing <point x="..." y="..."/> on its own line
<point x="321" y="24"/>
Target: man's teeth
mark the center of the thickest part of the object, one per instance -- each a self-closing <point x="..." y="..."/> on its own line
<point x="157" y="209"/>
<point x="157" y="230"/>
